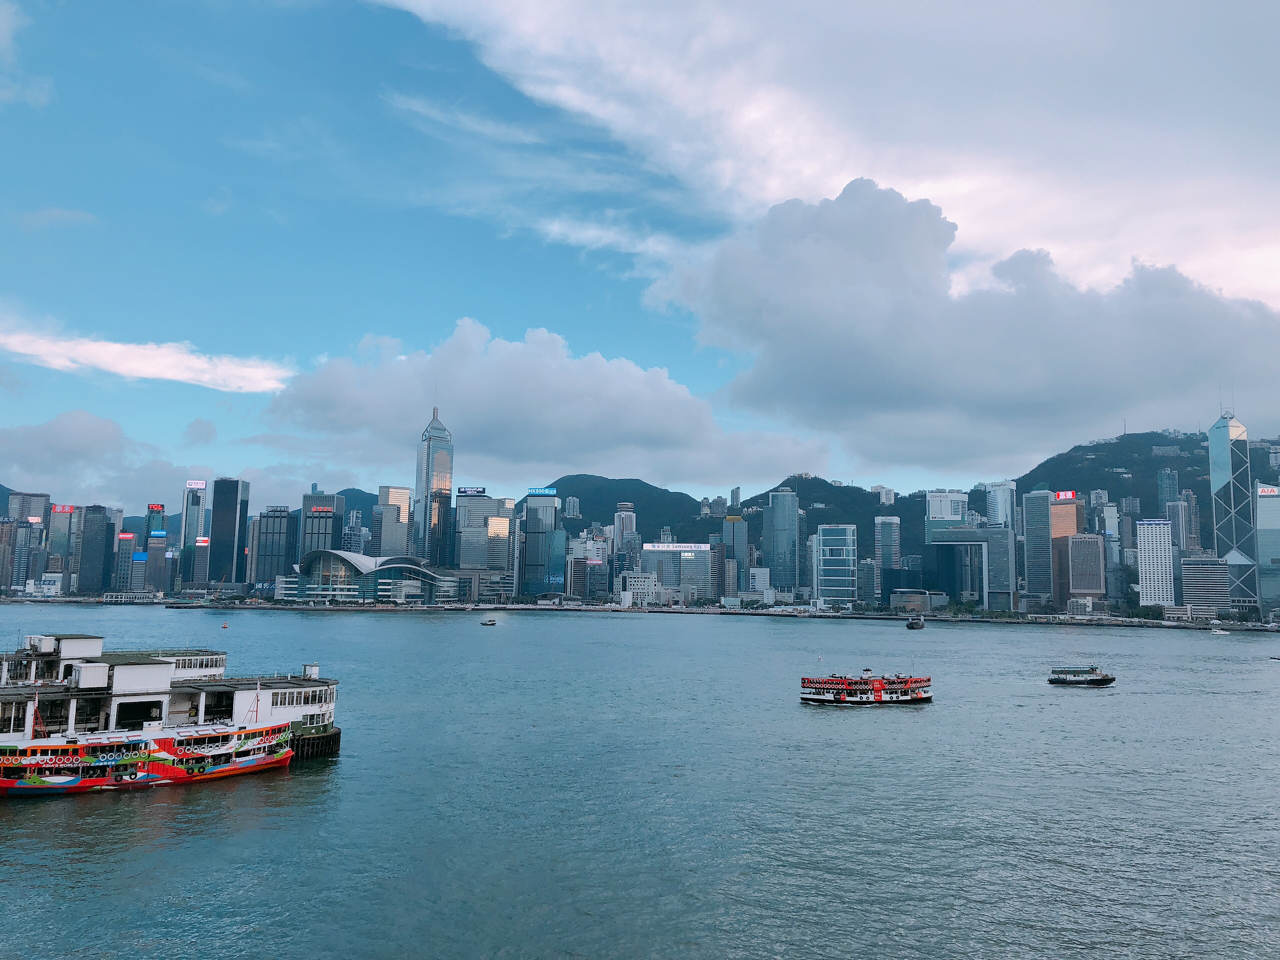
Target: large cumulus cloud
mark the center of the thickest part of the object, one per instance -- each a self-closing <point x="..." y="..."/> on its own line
<point x="847" y="309"/>
<point x="79" y="457"/>
<point x="522" y="411"/>
<point x="1098" y="131"/>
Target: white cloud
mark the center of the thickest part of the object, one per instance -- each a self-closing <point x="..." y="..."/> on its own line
<point x="12" y="20"/>
<point x="145" y="361"/>
<point x="15" y="87"/>
<point x="845" y="307"/>
<point x="457" y="119"/>
<point x="55" y="217"/>
<point x="81" y="458"/>
<point x="1099" y="132"/>
<point x="524" y="411"/>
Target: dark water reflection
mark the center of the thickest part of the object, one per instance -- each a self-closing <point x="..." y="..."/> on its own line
<point x="623" y="786"/>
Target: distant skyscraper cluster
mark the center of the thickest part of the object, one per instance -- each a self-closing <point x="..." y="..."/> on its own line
<point x="1063" y="551"/>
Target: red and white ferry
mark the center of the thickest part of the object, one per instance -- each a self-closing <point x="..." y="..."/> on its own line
<point x="76" y="720"/>
<point x="866" y="690"/>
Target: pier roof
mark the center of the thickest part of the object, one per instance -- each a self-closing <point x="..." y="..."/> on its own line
<point x="230" y="684"/>
<point x="127" y="659"/>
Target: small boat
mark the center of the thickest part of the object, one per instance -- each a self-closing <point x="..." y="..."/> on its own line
<point x="1080" y="677"/>
<point x="224" y="624"/>
<point x="488" y="623"/>
<point x="1219" y="633"/>
<point x="915" y="623"/>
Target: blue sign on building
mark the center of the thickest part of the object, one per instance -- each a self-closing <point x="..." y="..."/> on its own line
<point x="542" y="491"/>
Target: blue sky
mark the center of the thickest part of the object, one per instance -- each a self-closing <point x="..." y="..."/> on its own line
<point x="313" y="196"/>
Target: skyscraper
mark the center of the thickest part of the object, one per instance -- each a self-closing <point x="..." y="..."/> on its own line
<point x="277" y="543"/>
<point x="97" y="541"/>
<point x="484" y="526"/>
<point x="1178" y="513"/>
<point x="433" y="496"/>
<point x="733" y="534"/>
<point x="1166" y="486"/>
<point x="542" y="557"/>
<point x="1155" y="563"/>
<point x="153" y="521"/>
<point x="944" y="508"/>
<point x="888" y="547"/>
<point x="835" y="562"/>
<point x="320" y="525"/>
<point x="1066" y="519"/>
<point x="59" y="539"/>
<point x="229" y="531"/>
<point x="193" y="506"/>
<point x="1268" y="546"/>
<point x="1231" y="481"/>
<point x="1193" y="536"/>
<point x="1038" y="551"/>
<point x="25" y="506"/>
<point x="1001" y="499"/>
<point x="781" y="539"/>
<point x="572" y="508"/>
<point x="194" y="500"/>
<point x="735" y="499"/>
<point x="1087" y="566"/>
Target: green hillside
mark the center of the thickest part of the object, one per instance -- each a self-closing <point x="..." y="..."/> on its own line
<point x="1127" y="467"/>
<point x="361" y="500"/>
<point x="655" y="507"/>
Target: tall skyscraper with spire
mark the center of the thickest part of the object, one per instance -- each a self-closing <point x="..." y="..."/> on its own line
<point x="433" y="495"/>
<point x="1234" y="534"/>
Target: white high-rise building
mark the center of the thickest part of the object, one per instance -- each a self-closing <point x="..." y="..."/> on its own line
<point x="944" y="508"/>
<point x="1155" y="562"/>
<point x="1002" y="497"/>
<point x="193" y="507"/>
<point x="835" y="564"/>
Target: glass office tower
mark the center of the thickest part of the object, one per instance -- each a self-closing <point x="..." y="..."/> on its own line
<point x="1038" y="545"/>
<point x="781" y="539"/>
<point x="229" y="531"/>
<point x="1230" y="479"/>
<point x="1268" y="516"/>
<point x="433" y="495"/>
<point x="835" y="560"/>
<point x="543" y="553"/>
<point x="734" y="537"/>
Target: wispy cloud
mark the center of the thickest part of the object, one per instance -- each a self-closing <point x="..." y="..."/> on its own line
<point x="456" y="119"/>
<point x="14" y="87"/>
<point x="143" y="361"/>
<point x="12" y="20"/>
<point x="55" y="217"/>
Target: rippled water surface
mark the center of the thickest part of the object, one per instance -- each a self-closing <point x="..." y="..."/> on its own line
<point x="646" y="785"/>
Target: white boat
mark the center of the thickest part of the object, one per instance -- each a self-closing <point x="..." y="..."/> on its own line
<point x="1219" y="633"/>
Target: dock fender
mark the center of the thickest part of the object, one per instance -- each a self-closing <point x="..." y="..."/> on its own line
<point x="133" y="774"/>
<point x="119" y="777"/>
<point x="201" y="769"/>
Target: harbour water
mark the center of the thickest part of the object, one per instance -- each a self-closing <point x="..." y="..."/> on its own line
<point x="566" y="785"/>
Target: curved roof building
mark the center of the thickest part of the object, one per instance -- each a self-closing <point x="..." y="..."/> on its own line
<point x="337" y="575"/>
